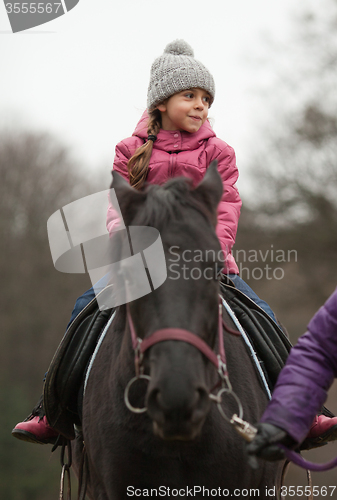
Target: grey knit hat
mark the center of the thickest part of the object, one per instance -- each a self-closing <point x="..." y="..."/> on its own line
<point x="177" y="70"/>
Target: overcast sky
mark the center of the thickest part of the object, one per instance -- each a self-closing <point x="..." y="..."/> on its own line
<point x="84" y="76"/>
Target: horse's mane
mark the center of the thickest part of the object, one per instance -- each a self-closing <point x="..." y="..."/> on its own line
<point x="168" y="203"/>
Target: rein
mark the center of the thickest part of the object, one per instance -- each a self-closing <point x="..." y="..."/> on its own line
<point x="305" y="464"/>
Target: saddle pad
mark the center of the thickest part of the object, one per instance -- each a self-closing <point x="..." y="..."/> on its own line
<point x="255" y="360"/>
<point x="270" y="343"/>
<point x="66" y="371"/>
<point x="98" y="345"/>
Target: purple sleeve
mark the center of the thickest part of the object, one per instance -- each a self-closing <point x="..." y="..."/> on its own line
<point x="303" y="383"/>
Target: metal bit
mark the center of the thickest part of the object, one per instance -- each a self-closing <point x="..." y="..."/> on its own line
<point x="245" y="429"/>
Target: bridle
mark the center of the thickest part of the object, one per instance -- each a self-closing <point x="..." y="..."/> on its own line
<point x="140" y="346"/>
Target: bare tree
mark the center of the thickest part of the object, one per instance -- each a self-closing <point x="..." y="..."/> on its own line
<point x="293" y="174"/>
<point x="298" y="176"/>
<point x="38" y="176"/>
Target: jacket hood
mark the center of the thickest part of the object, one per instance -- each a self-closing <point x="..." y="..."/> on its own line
<point x="164" y="138"/>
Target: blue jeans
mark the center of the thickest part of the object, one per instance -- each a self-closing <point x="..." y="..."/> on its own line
<point x="90" y="294"/>
<point x="244" y="288"/>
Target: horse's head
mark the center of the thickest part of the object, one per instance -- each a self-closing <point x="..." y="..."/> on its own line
<point x="178" y="397"/>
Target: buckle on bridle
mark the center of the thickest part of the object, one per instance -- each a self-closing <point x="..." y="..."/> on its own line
<point x="223" y="374"/>
<point x="139" y="369"/>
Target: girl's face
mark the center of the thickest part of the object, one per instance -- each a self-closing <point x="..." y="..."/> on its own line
<point x="185" y="111"/>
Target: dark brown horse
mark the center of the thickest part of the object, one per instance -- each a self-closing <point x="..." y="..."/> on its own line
<point x="181" y="446"/>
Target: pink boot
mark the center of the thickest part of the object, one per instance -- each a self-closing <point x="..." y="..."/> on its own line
<point x="35" y="430"/>
<point x="323" y="429"/>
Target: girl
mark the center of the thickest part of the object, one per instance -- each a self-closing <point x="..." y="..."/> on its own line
<point x="173" y="138"/>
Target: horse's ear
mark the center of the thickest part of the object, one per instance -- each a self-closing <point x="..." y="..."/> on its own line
<point x="129" y="199"/>
<point x="210" y="188"/>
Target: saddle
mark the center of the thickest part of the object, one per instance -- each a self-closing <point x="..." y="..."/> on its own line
<point x="269" y="341"/>
<point x="63" y="386"/>
<point x="63" y="389"/>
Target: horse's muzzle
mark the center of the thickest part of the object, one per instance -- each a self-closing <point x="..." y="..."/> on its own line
<point x="178" y="418"/>
<point x="183" y="435"/>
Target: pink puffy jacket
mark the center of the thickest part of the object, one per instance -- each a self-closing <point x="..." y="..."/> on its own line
<point x="178" y="153"/>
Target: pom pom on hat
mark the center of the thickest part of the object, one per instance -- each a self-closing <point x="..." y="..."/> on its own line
<point x="177" y="70"/>
<point x="179" y="48"/>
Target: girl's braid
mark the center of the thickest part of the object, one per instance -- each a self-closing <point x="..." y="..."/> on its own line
<point x="138" y="165"/>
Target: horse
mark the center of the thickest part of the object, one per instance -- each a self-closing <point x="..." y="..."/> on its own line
<point x="181" y="445"/>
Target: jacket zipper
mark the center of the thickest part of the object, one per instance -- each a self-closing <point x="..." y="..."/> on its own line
<point x="173" y="159"/>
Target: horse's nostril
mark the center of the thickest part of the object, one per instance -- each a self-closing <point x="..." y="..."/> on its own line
<point x="154" y="405"/>
<point x="203" y="396"/>
<point x="202" y="405"/>
<point x="152" y="397"/>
